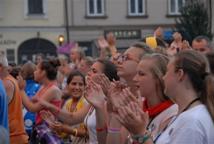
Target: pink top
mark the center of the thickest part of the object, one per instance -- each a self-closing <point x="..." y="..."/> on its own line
<point x="57" y="103"/>
<point x="43" y="90"/>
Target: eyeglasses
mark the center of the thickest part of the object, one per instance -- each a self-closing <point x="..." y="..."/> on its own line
<point x="125" y="57"/>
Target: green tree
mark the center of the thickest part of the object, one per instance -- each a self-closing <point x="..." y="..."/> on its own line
<point x="194" y="20"/>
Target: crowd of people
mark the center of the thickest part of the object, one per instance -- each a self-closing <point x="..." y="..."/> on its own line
<point x="152" y="93"/>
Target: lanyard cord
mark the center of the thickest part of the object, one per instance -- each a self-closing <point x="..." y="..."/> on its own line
<point x="186" y="108"/>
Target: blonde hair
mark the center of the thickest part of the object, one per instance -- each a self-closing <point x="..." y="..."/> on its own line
<point x="80" y="51"/>
<point x="158" y="69"/>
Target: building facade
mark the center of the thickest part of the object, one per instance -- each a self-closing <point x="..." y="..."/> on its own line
<point x="130" y="20"/>
<point x="28" y="27"/>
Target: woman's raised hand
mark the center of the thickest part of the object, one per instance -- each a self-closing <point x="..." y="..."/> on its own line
<point x="110" y="38"/>
<point x="103" y="81"/>
<point x="114" y="99"/>
<point x="102" y="43"/>
<point x="94" y="94"/>
<point x="133" y="118"/>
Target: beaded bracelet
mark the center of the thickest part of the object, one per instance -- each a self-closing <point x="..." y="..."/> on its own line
<point x="141" y="139"/>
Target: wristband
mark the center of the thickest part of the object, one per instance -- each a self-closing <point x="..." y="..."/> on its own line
<point x="101" y="129"/>
<point x="113" y="130"/>
<point x="141" y="139"/>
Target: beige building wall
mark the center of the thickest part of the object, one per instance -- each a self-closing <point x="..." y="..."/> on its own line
<point x="84" y="28"/>
<point x="15" y="14"/>
<point x="17" y="27"/>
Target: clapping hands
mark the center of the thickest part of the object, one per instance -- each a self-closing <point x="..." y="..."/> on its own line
<point x="133" y="118"/>
<point x="94" y="94"/>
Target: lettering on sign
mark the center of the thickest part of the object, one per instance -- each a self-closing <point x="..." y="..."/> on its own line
<point x="6" y="41"/>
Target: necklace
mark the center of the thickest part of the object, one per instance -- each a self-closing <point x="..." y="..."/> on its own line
<point x="186" y="108"/>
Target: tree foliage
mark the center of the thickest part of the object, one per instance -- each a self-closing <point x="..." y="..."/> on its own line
<point x="194" y="20"/>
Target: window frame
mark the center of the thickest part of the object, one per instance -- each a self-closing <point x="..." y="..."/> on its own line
<point x="42" y="15"/>
<point x="136" y="13"/>
<point x="177" y="12"/>
<point x="95" y="14"/>
<point x="10" y="53"/>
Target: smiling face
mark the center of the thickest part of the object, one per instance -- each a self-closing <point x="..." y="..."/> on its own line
<point x="144" y="78"/>
<point x="76" y="87"/>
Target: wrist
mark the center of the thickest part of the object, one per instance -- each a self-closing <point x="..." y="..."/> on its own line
<point x="100" y="106"/>
<point x="114" y="130"/>
<point x="56" y="111"/>
<point x="101" y="129"/>
<point x="114" y="123"/>
<point x="142" y="138"/>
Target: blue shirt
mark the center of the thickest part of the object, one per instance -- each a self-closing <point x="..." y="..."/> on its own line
<point x="29" y="117"/>
<point x="31" y="88"/>
<point x="3" y="107"/>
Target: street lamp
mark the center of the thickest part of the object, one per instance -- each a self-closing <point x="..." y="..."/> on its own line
<point x="61" y="39"/>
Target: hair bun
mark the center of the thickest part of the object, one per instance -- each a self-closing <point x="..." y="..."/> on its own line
<point x="54" y="62"/>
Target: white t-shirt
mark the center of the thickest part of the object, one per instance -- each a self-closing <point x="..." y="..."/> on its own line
<point x="90" y="122"/>
<point x="154" y="126"/>
<point x="194" y="126"/>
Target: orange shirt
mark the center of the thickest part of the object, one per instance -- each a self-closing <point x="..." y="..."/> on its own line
<point x="16" y="122"/>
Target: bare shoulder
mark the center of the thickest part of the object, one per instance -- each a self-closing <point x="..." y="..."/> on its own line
<point x="8" y="84"/>
<point x="56" y="92"/>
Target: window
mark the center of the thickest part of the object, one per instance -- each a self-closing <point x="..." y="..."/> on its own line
<point x="35" y="7"/>
<point x="95" y="7"/>
<point x="10" y="55"/>
<point x="175" y="6"/>
<point x="136" y="7"/>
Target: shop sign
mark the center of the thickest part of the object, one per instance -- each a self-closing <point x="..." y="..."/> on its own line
<point x="125" y="34"/>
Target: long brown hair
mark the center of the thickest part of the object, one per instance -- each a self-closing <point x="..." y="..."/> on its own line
<point x="196" y="66"/>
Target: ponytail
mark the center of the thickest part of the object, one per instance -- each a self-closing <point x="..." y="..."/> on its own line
<point x="207" y="97"/>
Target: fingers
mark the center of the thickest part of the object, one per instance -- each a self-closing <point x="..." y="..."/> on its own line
<point x="47" y="116"/>
<point x="126" y="115"/>
<point x="111" y="38"/>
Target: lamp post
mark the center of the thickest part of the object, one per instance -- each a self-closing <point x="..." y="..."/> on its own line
<point x="61" y="39"/>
